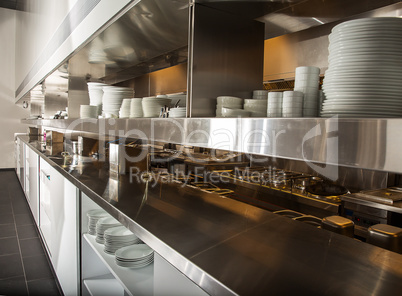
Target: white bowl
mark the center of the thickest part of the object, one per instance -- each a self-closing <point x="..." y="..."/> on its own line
<point x="226" y="112"/>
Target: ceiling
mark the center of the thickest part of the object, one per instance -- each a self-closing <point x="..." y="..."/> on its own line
<point x="13" y="4"/>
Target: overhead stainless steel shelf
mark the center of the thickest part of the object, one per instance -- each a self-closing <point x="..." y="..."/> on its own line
<point x="362" y="143"/>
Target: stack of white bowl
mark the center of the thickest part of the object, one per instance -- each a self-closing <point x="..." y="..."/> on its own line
<point x="228" y="112"/>
<point x="260" y="94"/>
<point x="95" y="92"/>
<point x="177" y="112"/>
<point x="257" y="107"/>
<point x="88" y="111"/>
<point x="364" y="69"/>
<point x="228" y="102"/>
<point x="292" y="104"/>
<point x="151" y="106"/>
<point x="112" y="99"/>
<point x="274" y="106"/>
<point x="307" y="81"/>
<point x="136" y="108"/>
<point x="125" y="108"/>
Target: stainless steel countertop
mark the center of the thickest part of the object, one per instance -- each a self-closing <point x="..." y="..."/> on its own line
<point x="228" y="247"/>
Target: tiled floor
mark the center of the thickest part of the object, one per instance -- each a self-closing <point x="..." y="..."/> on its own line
<point x="24" y="267"/>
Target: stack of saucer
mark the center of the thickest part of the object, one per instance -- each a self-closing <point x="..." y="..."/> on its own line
<point x="260" y="94"/>
<point x="88" y="111"/>
<point x="177" y="112"/>
<point x="227" y="102"/>
<point x="292" y="104"/>
<point x="257" y="107"/>
<point x="118" y="237"/>
<point x="93" y="217"/>
<point x="307" y="81"/>
<point x="227" y="112"/>
<point x="151" y="106"/>
<point x="274" y="106"/>
<point x="102" y="225"/>
<point x="135" y="256"/>
<point x="136" y="108"/>
<point x="95" y="92"/>
<point x="112" y="99"/>
<point x="125" y="108"/>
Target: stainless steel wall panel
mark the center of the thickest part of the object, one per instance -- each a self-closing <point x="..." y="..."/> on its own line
<point x="227" y="58"/>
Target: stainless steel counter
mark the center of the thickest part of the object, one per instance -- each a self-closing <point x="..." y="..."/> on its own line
<point x="228" y="247"/>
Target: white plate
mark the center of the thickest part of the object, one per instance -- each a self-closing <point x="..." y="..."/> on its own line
<point x="134" y="252"/>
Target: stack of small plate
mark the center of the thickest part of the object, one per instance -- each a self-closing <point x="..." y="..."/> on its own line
<point x="95" y="92"/>
<point x="117" y="238"/>
<point x="292" y="104"/>
<point x="274" y="106"/>
<point x="93" y="217"/>
<point x="151" y="106"/>
<point x="112" y="99"/>
<point x="177" y="112"/>
<point x="365" y="69"/>
<point x="307" y="81"/>
<point x="102" y="225"/>
<point x="88" y="111"/>
<point x="227" y="102"/>
<point x="227" y="112"/>
<point x="260" y="94"/>
<point x="125" y="108"/>
<point x="136" y="108"/>
<point x="135" y="256"/>
<point x="257" y="107"/>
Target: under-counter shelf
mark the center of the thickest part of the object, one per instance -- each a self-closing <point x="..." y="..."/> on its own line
<point x="133" y="281"/>
<point x="104" y="285"/>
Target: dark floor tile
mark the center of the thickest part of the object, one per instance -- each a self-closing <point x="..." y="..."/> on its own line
<point x="44" y="287"/>
<point x="17" y="195"/>
<point x="37" y="267"/>
<point x="11" y="266"/>
<point x="7" y="230"/>
<point x="31" y="247"/>
<point x="20" y="207"/>
<point x="5" y="198"/>
<point x="13" y="287"/>
<point x="27" y="231"/>
<point x="6" y="209"/>
<point x="9" y="246"/>
<point x="7" y="219"/>
<point x="23" y="219"/>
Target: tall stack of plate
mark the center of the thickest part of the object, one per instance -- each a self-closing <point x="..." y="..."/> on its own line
<point x="125" y="108"/>
<point x="93" y="217"/>
<point x="136" y="108"/>
<point x="257" y="107"/>
<point x="274" y="106"/>
<point x="135" y="256"/>
<point x="112" y="99"/>
<point x="117" y="238"/>
<point x="365" y="69"/>
<point x="151" y="106"/>
<point x="102" y="225"/>
<point x="292" y="104"/>
<point x="307" y="80"/>
<point x="95" y="92"/>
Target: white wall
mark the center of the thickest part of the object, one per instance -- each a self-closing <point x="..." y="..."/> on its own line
<point x="10" y="113"/>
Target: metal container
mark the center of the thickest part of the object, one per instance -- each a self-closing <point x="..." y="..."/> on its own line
<point x="127" y="159"/>
<point x="339" y="225"/>
<point x="386" y="236"/>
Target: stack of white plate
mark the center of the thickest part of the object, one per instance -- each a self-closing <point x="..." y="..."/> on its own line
<point x="257" y="107"/>
<point x="95" y="92"/>
<point x="136" y="108"/>
<point x="365" y="69"/>
<point x="112" y="99"/>
<point x="102" y="225"/>
<point x="292" y="104"/>
<point x="274" y="106"/>
<point x="307" y="81"/>
<point x="117" y="238"/>
<point x="151" y="106"/>
<point x="227" y="102"/>
<point x="125" y="108"/>
<point x="181" y="98"/>
<point x="93" y="217"/>
<point x="135" y="256"/>
<point x="227" y="112"/>
<point x="260" y="94"/>
<point x="177" y="112"/>
<point x="88" y="111"/>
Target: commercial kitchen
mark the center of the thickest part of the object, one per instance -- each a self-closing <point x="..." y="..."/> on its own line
<point x="202" y="147"/>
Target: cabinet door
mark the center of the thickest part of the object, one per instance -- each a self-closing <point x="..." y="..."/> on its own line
<point x="32" y="186"/>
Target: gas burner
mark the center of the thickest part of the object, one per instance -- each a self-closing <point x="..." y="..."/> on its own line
<point x="326" y="191"/>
